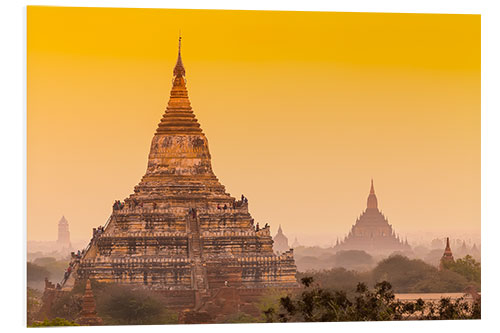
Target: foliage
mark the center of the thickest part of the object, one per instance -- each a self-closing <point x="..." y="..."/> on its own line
<point x="122" y="305"/>
<point x="45" y="267"/>
<point x="36" y="272"/>
<point x="33" y="303"/>
<point x="270" y="302"/>
<point x="54" y="322"/>
<point x="67" y="306"/>
<point x="405" y="275"/>
<point x="402" y="272"/>
<point x="315" y="304"/>
<point x="467" y="267"/>
<point x="415" y="276"/>
<point x="338" y="278"/>
<point x="352" y="258"/>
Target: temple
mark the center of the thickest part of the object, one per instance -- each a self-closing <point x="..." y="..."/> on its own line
<point x="372" y="232"/>
<point x="280" y="244"/>
<point x="63" y="239"/>
<point x="447" y="255"/>
<point x="88" y="316"/>
<point x="179" y="232"/>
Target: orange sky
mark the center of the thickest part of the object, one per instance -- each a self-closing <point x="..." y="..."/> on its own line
<point x="301" y="110"/>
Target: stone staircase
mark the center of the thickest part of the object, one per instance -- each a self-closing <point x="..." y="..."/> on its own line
<point x="199" y="274"/>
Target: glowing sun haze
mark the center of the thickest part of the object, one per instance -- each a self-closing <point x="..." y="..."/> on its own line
<point x="301" y="110"/>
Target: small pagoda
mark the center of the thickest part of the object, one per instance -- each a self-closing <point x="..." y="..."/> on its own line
<point x="180" y="233"/>
<point x="88" y="316"/>
<point x="447" y="255"/>
<point x="372" y="232"/>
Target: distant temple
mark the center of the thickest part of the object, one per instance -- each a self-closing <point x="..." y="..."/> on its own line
<point x="63" y="240"/>
<point x="372" y="232"/>
<point x="180" y="233"/>
<point x="296" y="243"/>
<point x="280" y="242"/>
<point x="447" y="255"/>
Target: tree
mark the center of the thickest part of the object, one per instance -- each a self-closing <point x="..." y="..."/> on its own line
<point x="33" y="303"/>
<point x="122" y="305"/>
<point x="317" y="304"/>
<point x="353" y="258"/>
<point x="36" y="273"/>
<point x="468" y="267"/>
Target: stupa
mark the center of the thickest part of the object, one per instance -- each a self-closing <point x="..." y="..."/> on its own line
<point x="447" y="255"/>
<point x="280" y="242"/>
<point x="372" y="232"/>
<point x="180" y="232"/>
<point x="88" y="316"/>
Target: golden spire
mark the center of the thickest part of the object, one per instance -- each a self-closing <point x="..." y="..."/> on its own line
<point x="179" y="117"/>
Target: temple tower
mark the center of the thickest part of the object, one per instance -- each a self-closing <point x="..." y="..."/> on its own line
<point x="372" y="232"/>
<point x="280" y="242"/>
<point x="447" y="255"/>
<point x="63" y="240"/>
<point x="179" y="232"/>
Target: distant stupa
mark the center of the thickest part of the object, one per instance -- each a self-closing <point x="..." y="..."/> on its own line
<point x="280" y="244"/>
<point x="447" y="255"/>
<point x="296" y="243"/>
<point x="372" y="232"/>
<point x="63" y="240"/>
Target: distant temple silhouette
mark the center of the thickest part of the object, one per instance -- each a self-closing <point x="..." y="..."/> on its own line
<point x="63" y="240"/>
<point x="280" y="244"/>
<point x="447" y="255"/>
<point x="372" y="232"/>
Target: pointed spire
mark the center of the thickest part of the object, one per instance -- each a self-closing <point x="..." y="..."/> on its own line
<point x="447" y="255"/>
<point x="448" y="244"/>
<point x="179" y="67"/>
<point x="88" y="315"/>
<point x="372" y="198"/>
<point x="179" y="117"/>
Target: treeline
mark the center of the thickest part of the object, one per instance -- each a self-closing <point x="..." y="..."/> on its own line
<point x="316" y="304"/>
<point x="46" y="267"/>
<point x="405" y="275"/>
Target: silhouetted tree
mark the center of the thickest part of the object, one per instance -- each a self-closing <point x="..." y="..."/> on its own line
<point x="316" y="304"/>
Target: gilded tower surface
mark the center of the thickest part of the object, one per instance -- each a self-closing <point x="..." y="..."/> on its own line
<point x="372" y="232"/>
<point x="180" y="231"/>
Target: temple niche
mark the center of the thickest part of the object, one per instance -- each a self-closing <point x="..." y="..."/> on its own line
<point x="179" y="232"/>
<point x="372" y="232"/>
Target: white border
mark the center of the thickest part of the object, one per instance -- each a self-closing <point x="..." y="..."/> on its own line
<point x="13" y="135"/>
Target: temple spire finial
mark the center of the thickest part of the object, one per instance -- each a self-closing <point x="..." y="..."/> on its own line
<point x="179" y="67"/>
<point x="372" y="189"/>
